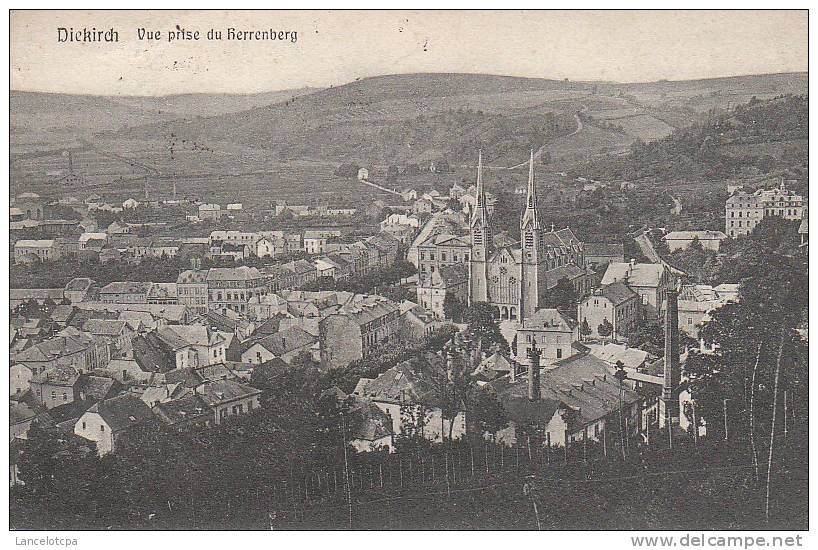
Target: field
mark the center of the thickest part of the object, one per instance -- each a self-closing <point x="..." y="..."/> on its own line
<point x="285" y="145"/>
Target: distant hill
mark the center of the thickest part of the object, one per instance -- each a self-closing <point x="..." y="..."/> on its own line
<point x="82" y="114"/>
<point x="404" y="118"/>
<point x="399" y="118"/>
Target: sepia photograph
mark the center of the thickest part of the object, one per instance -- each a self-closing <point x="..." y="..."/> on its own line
<point x="391" y="270"/>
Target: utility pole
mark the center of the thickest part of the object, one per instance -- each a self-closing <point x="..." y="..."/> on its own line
<point x="529" y="492"/>
<point x="346" y="469"/>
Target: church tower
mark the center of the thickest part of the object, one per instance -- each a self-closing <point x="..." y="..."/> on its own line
<point x="481" y="240"/>
<point x="531" y="243"/>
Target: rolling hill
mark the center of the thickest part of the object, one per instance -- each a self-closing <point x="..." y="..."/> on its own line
<point x="406" y="118"/>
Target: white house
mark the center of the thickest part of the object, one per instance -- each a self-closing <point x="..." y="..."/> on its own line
<point x="106" y="421"/>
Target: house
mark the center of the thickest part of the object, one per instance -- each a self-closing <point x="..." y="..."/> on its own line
<point x="494" y="366"/>
<point x="106" y="422"/>
<point x="649" y="281"/>
<point x="114" y="331"/>
<point x="423" y="205"/>
<point x="803" y="231"/>
<point x="20" y="376"/>
<point x="578" y="398"/>
<point x="227" y="398"/>
<point x="681" y="240"/>
<point x="230" y="324"/>
<point x="315" y="242"/>
<point x="210" y="212"/>
<point x="125" y="292"/>
<point x="417" y="322"/>
<point x="285" y="345"/>
<point x="401" y="219"/>
<point x="78" y="350"/>
<point x="450" y="280"/>
<point x="55" y="386"/>
<point x="30" y="250"/>
<point x="185" y="412"/>
<point x="77" y="289"/>
<point x="630" y="358"/>
<point x="21" y="417"/>
<point x="614" y="303"/>
<point x="363" y="174"/>
<point x="406" y="393"/>
<point x="191" y="345"/>
<point x="356" y="329"/>
<point x="551" y="331"/>
<point x="695" y="303"/>
<point x="371" y="428"/>
<point x="264" y="307"/>
<point x="599" y="254"/>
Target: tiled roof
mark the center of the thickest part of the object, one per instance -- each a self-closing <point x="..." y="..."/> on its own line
<point x="618" y="293"/>
<point x="122" y="412"/>
<point x="222" y="391"/>
<point x="649" y="275"/>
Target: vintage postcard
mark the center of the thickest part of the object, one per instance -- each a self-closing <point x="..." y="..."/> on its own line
<point x="409" y="270"/>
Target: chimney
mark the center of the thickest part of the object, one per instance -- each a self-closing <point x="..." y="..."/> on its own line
<point x="533" y="372"/>
<point x="672" y="369"/>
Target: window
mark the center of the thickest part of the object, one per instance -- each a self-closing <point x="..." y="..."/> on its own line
<point x="559" y="353"/>
<point x="83" y="425"/>
<point x="53" y="394"/>
<point x="102" y="427"/>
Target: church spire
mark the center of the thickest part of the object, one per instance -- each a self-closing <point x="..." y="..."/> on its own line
<point x="480" y="214"/>
<point x="530" y="218"/>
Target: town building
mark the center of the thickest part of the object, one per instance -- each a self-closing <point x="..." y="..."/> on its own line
<point x="285" y="345"/>
<point x="451" y="280"/>
<point x="191" y="290"/>
<point x="649" y="281"/>
<point x="695" y="303"/>
<point x="233" y="287"/>
<point x="551" y="331"/>
<point x="615" y="303"/>
<point x="600" y="254"/>
<point x="106" y="422"/>
<point x="681" y="240"/>
<point x="744" y="211"/>
<point x="27" y="251"/>
<point x="356" y="329"/>
<point x="442" y="250"/>
<point x="125" y="292"/>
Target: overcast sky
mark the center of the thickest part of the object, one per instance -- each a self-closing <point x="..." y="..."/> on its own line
<point x="335" y="48"/>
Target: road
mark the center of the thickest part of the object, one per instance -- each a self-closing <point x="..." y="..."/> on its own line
<point x="650" y="253"/>
<point x="538" y="153"/>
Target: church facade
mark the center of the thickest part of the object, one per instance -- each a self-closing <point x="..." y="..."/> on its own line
<point x="515" y="276"/>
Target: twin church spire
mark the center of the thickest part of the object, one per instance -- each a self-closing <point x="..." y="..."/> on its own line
<point x="530" y="218"/>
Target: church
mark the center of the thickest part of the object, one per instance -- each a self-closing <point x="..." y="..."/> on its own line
<point x="515" y="276"/>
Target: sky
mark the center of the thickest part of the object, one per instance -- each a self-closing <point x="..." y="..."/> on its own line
<point x="334" y="48"/>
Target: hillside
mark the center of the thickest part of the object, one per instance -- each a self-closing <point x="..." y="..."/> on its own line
<point x="50" y="118"/>
<point x="753" y="139"/>
<point x="403" y="118"/>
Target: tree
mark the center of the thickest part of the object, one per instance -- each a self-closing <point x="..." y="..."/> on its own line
<point x="483" y="329"/>
<point x="562" y="296"/>
<point x="605" y="328"/>
<point x="585" y="329"/>
<point x="453" y="308"/>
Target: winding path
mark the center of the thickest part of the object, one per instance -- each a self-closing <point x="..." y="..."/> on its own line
<point x="538" y="153"/>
